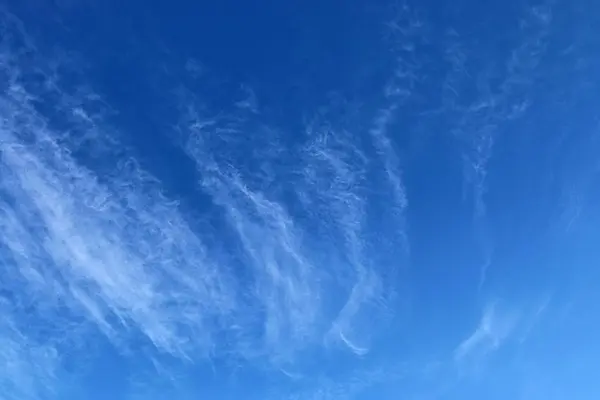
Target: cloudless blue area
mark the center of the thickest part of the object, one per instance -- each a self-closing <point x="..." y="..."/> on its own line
<point x="488" y="275"/>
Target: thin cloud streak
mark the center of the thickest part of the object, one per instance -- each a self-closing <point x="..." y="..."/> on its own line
<point x="494" y="327"/>
<point x="90" y="240"/>
<point x="101" y="239"/>
<point x="83" y="247"/>
<point x="289" y="281"/>
<point x="98" y="244"/>
<point x="28" y="369"/>
<point x="479" y="122"/>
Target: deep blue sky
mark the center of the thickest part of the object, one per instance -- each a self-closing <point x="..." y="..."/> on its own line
<point x="299" y="200"/>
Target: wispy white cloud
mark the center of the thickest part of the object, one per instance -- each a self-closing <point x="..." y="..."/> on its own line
<point x="408" y="32"/>
<point x="249" y="101"/>
<point x="496" y="325"/>
<point x="334" y="179"/>
<point x="320" y="251"/>
<point x="104" y="241"/>
<point x="479" y="121"/>
<point x="292" y="280"/>
<point x="534" y="317"/>
<point x="29" y="369"/>
<point x="89" y="239"/>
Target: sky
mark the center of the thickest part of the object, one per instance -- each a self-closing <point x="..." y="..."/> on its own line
<point x="299" y="200"/>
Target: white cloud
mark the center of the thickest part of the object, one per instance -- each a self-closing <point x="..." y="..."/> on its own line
<point x="89" y="239"/>
<point x="28" y="369"/>
<point x="497" y="323"/>
<point x="102" y="244"/>
<point x="479" y="122"/>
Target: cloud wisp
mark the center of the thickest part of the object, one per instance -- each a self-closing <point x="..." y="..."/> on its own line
<point x="480" y="122"/>
<point x="91" y="245"/>
<point x="302" y="260"/>
<point x="104" y="242"/>
<point x="495" y="326"/>
<point x="86" y="236"/>
<point x="29" y="369"/>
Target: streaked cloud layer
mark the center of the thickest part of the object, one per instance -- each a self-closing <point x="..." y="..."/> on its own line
<point x="91" y="240"/>
<point x="211" y="237"/>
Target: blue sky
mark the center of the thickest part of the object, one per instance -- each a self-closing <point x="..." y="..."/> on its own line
<point x="299" y="200"/>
